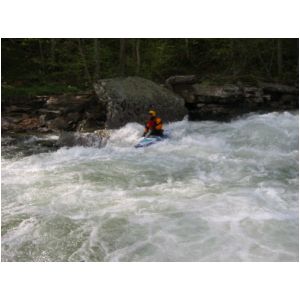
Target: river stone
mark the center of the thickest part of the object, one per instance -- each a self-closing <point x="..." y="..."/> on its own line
<point x="58" y="123"/>
<point x="222" y="91"/>
<point x="29" y="123"/>
<point x="97" y="138"/>
<point x="129" y="100"/>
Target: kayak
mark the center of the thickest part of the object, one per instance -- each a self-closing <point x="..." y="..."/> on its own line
<point x="150" y="140"/>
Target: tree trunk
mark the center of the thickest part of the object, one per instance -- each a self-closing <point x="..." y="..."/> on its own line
<point x="264" y="64"/>
<point x="86" y="69"/>
<point x="272" y="55"/>
<point x="187" y="49"/>
<point x="279" y="57"/>
<point x="52" y="51"/>
<point x="232" y="67"/>
<point x="138" y="56"/>
<point x="96" y="58"/>
<point x="122" y="56"/>
<point x="42" y="56"/>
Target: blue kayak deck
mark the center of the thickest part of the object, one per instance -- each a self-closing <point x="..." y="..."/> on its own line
<point x="150" y="140"/>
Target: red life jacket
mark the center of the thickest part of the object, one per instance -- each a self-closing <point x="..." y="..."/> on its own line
<point x="150" y="124"/>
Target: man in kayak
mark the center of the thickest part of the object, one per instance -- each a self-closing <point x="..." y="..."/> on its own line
<point x="154" y="126"/>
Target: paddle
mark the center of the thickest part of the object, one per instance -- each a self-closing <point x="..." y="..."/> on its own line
<point x="148" y="133"/>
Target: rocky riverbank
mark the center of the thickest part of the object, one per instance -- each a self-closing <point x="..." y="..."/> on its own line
<point x="224" y="102"/>
<point x="44" y="114"/>
<point x="115" y="102"/>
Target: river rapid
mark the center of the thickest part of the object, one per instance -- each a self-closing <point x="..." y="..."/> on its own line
<point x="212" y="192"/>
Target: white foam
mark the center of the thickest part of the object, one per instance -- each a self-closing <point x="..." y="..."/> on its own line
<point x="212" y="192"/>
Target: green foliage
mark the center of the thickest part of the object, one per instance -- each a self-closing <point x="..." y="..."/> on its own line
<point x="36" y="90"/>
<point x="44" y="65"/>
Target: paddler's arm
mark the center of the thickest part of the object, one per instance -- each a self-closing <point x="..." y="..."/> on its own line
<point x="147" y="129"/>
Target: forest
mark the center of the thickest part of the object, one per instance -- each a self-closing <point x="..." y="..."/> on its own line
<point x="56" y="65"/>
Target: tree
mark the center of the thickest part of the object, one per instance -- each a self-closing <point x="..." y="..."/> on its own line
<point x="279" y="57"/>
<point x="122" y="56"/>
<point x="138" y="56"/>
<point x="42" y="56"/>
<point x="87" y="72"/>
<point x="187" y="49"/>
<point x="75" y="62"/>
<point x="52" y="49"/>
<point x="96" y="59"/>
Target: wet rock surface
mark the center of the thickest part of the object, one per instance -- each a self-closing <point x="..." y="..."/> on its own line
<point x="224" y="102"/>
<point x="25" y="144"/>
<point x="83" y="112"/>
<point x="129" y="100"/>
<point x="118" y="101"/>
<point x="31" y="142"/>
<point x="86" y="139"/>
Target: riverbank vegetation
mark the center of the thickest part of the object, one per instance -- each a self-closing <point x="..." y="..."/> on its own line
<point x="53" y="66"/>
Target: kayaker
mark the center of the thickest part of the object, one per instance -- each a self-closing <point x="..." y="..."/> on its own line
<point x="154" y="126"/>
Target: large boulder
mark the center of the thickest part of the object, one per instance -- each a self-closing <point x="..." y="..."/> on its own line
<point x="129" y="100"/>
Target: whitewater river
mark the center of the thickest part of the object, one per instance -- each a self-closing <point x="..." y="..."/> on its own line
<point x="212" y="192"/>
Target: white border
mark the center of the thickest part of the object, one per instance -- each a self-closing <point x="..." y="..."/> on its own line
<point x="150" y="281"/>
<point x="149" y="18"/>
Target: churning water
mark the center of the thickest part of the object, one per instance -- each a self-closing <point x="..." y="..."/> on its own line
<point x="212" y="192"/>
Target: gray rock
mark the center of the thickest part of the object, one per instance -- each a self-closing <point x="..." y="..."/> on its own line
<point x="226" y="91"/>
<point x="289" y="99"/>
<point x="129" y="100"/>
<point x="279" y="88"/>
<point x="90" y="139"/>
<point x="224" y="102"/>
<point x="74" y="117"/>
<point x="180" y="79"/>
<point x="58" y="124"/>
<point x="69" y="103"/>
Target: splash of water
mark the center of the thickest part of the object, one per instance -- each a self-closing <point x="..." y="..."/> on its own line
<point x="212" y="192"/>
